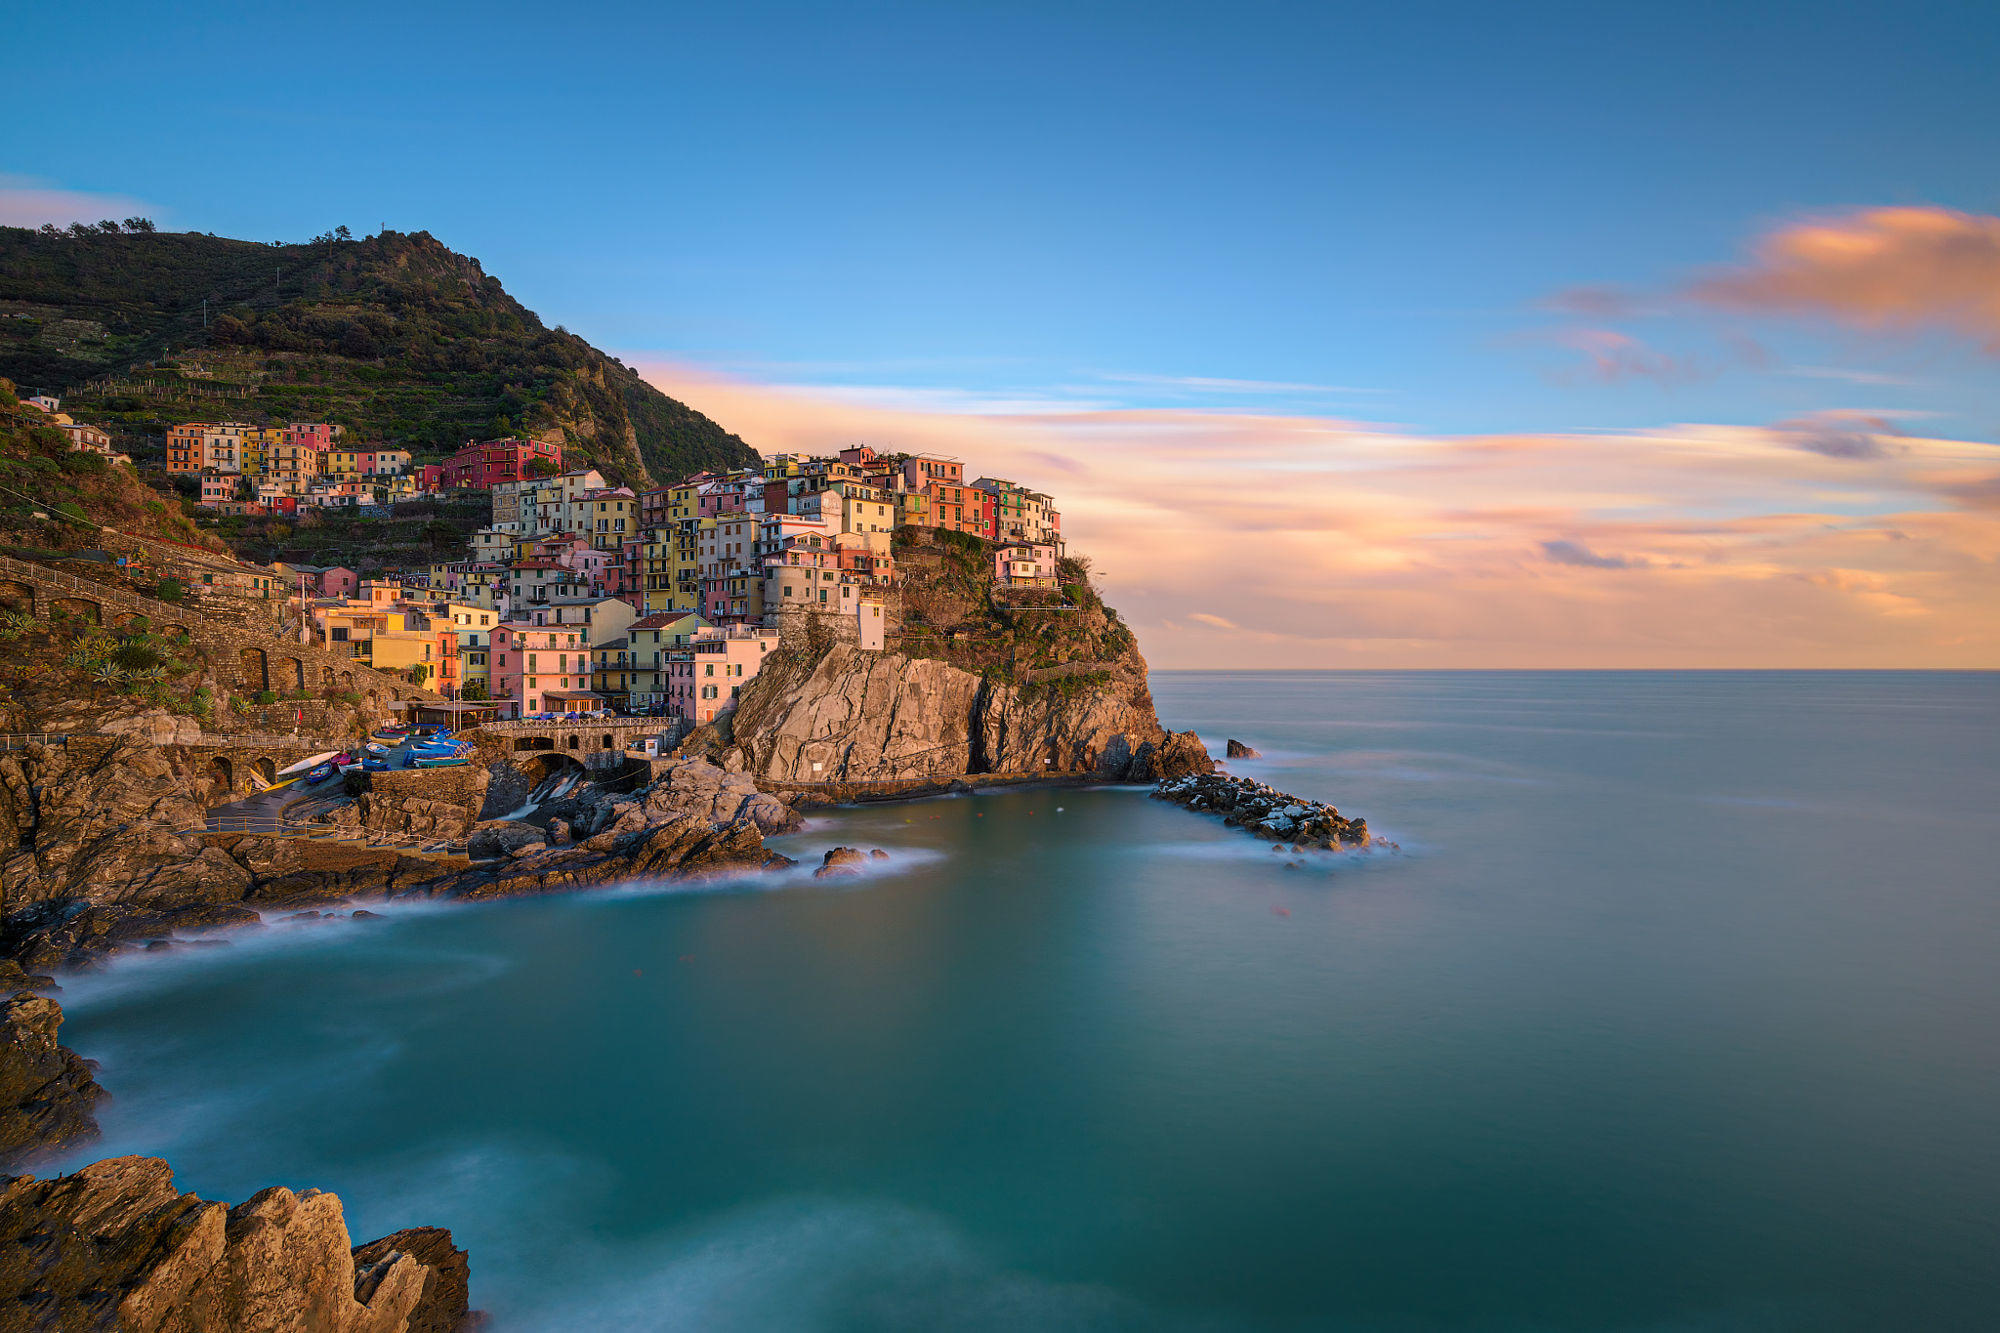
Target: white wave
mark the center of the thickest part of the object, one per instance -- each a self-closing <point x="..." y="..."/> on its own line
<point x="812" y="1263"/>
<point x="138" y="971"/>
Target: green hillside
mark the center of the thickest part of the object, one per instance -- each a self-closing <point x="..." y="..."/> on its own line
<point x="395" y="337"/>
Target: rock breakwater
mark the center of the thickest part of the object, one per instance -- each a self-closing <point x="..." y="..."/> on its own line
<point x="1265" y="811"/>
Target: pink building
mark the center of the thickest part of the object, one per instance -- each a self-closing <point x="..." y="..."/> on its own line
<point x="704" y="679"/>
<point x="315" y="435"/>
<point x="921" y="471"/>
<point x="1025" y="564"/>
<point x="536" y="669"/>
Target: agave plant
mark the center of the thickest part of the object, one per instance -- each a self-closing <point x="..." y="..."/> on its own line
<point x="106" y="674"/>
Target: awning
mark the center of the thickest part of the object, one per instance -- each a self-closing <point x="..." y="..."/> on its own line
<point x="571" y="694"/>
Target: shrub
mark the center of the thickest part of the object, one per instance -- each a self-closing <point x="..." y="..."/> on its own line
<point x="171" y="590"/>
<point x="137" y="657"/>
<point x="267" y="696"/>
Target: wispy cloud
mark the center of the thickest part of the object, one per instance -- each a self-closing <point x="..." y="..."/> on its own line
<point x="28" y="202"/>
<point x="1610" y="357"/>
<point x="1218" y="385"/>
<point x="1339" y="543"/>
<point x="1597" y="303"/>
<point x="1873" y="378"/>
<point x="1565" y="552"/>
<point x="1838" y="434"/>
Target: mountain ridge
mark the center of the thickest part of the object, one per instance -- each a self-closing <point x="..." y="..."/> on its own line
<point x="395" y="336"/>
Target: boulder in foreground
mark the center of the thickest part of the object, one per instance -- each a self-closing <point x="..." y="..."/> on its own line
<point x="116" y="1246"/>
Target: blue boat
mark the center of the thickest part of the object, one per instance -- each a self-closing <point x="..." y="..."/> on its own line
<point x="374" y="764"/>
<point x="320" y="773"/>
<point x="439" y="760"/>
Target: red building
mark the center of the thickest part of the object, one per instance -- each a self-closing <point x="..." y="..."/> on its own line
<point x="314" y="435"/>
<point x="479" y="466"/>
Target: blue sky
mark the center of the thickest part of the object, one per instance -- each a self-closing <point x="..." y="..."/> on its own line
<point x="1452" y="334"/>
<point x="1089" y="203"/>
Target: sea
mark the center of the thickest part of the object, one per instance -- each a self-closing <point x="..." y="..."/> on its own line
<point x="1667" y="1003"/>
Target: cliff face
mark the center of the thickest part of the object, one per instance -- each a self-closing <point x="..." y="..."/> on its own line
<point x="47" y="1092"/>
<point x="117" y="1246"/>
<point x="855" y="716"/>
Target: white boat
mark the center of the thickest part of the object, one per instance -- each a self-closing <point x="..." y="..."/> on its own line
<point x="306" y="765"/>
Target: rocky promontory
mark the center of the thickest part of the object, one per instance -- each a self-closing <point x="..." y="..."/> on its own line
<point x="112" y="854"/>
<point x="1265" y="811"/>
<point x="117" y="1246"/>
<point x="853" y="715"/>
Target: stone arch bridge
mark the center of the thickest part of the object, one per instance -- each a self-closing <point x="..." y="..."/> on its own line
<point x="543" y="749"/>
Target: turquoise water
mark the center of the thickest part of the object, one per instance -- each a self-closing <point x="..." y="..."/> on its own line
<point x="1677" y="1010"/>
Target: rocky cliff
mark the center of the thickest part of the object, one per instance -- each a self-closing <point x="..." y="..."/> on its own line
<point x="117" y="1246"/>
<point x="47" y="1092"/>
<point x="852" y="715"/>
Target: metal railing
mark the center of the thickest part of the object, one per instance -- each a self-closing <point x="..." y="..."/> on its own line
<point x="21" y="740"/>
<point x="579" y="724"/>
<point x="97" y="592"/>
<point x="276" y="826"/>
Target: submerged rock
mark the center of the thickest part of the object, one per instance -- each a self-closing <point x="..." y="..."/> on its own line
<point x="1235" y="749"/>
<point x="117" y="1246"/>
<point x="841" y="861"/>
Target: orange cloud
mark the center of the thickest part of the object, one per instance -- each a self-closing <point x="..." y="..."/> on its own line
<point x="1818" y="542"/>
<point x="1881" y="268"/>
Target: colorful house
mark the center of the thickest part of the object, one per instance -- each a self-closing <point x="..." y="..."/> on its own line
<point x="483" y="465"/>
<point x="536" y="669"/>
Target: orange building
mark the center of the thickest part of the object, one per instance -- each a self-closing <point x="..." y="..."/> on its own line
<point x="187" y="449"/>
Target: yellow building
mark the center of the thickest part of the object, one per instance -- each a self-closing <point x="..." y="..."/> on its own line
<point x="293" y="466"/>
<point x="343" y="464"/>
<point x="647" y="644"/>
<point x="687" y="560"/>
<point x="862" y="508"/>
<point x="611" y="673"/>
<point x="255" y="449"/>
<point x="913" y="509"/>
<point x="609" y="520"/>
<point x="656" y="569"/>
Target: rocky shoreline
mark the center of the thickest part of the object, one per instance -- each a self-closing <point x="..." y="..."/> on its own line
<point x="106" y="853"/>
<point x="116" y="1245"/>
<point x="1266" y="812"/>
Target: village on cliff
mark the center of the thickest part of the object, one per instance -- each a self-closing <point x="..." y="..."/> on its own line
<point x="583" y="598"/>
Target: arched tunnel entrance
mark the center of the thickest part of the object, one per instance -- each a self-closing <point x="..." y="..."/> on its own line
<point x="267" y="770"/>
<point x="222" y="775"/>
